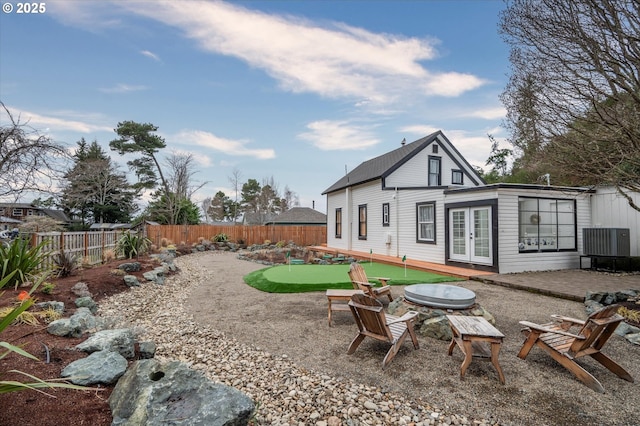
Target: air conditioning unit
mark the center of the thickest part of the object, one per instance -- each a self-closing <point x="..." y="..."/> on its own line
<point x="612" y="242"/>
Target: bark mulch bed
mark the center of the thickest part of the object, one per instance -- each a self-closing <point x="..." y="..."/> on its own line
<point x="61" y="406"/>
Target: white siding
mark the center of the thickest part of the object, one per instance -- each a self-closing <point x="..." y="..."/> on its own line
<point x="336" y="200"/>
<point x="407" y="231"/>
<point x="414" y="173"/>
<point x="611" y="210"/>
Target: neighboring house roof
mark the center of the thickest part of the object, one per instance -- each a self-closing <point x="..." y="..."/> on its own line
<point x="110" y="226"/>
<point x="300" y="216"/>
<point x="383" y="165"/>
<point x="4" y="219"/>
<point x="257" y="218"/>
<point x="58" y="215"/>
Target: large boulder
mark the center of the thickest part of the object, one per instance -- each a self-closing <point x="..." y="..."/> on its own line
<point x="78" y="324"/>
<point x="119" y="340"/>
<point x="152" y="393"/>
<point x="103" y="367"/>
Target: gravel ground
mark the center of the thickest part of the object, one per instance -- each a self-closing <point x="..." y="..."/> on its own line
<point x="279" y="350"/>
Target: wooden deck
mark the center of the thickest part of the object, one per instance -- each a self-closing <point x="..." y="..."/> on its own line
<point x="453" y="271"/>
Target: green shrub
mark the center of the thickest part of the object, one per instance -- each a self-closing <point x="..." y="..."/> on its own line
<point x="18" y="257"/>
<point x="280" y="244"/>
<point x="220" y="238"/>
<point x="130" y="245"/>
<point x="47" y="287"/>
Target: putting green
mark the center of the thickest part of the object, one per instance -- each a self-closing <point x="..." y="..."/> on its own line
<point x="304" y="278"/>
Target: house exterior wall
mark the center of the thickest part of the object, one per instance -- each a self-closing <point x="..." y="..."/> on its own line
<point x="611" y="210"/>
<point x="510" y="259"/>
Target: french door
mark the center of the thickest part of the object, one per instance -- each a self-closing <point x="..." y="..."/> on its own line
<point x="470" y="235"/>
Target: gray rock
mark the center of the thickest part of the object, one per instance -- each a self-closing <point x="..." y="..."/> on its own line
<point x="633" y="338"/>
<point x="156" y="275"/>
<point x="87" y="302"/>
<point x="78" y="324"/>
<point x="130" y="266"/>
<point x="591" y="306"/>
<point x="56" y="306"/>
<point x="436" y="328"/>
<point x="623" y="329"/>
<point x="131" y="281"/>
<point x="623" y="295"/>
<point x="596" y="296"/>
<point x="151" y="393"/>
<point x="147" y="350"/>
<point x="81" y="289"/>
<point x="100" y="367"/>
<point x="120" y="341"/>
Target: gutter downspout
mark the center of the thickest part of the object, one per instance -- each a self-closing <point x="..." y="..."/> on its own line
<point x="395" y="195"/>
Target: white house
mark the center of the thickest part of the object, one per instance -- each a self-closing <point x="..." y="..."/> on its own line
<point x="425" y="201"/>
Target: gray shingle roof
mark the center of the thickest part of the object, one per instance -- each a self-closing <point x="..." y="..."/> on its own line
<point x="301" y="215"/>
<point x="383" y="165"/>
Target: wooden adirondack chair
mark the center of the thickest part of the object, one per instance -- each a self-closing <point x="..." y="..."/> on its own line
<point x="360" y="282"/>
<point x="372" y="322"/>
<point x="565" y="347"/>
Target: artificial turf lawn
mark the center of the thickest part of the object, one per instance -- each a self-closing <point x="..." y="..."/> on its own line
<point x="303" y="278"/>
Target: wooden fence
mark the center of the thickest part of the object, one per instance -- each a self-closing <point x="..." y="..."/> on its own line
<point x="88" y="247"/>
<point x="303" y="235"/>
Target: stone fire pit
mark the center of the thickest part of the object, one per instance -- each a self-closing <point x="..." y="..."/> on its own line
<point x="433" y="302"/>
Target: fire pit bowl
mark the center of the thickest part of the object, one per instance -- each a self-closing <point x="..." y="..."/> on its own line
<point x="440" y="296"/>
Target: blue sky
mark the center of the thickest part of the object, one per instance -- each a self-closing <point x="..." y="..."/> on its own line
<point x="294" y="90"/>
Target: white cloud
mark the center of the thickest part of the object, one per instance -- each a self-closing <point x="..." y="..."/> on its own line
<point x="489" y="113"/>
<point x="338" y="135"/>
<point x="122" y="88"/>
<point x="50" y="123"/>
<point x="151" y="55"/>
<point x="333" y="60"/>
<point x="420" y="130"/>
<point x="227" y="146"/>
<point x="198" y="157"/>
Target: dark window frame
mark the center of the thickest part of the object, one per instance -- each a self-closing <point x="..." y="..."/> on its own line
<point x="533" y="218"/>
<point x="420" y="240"/>
<point x="338" y="233"/>
<point x="362" y="223"/>
<point x="386" y="214"/>
<point x="431" y="173"/>
<point x="454" y="173"/>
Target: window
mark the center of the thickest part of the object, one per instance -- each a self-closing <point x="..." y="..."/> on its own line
<point x="29" y="212"/>
<point x="339" y="223"/>
<point x="362" y="222"/>
<point x="426" y="222"/>
<point x="434" y="171"/>
<point x="385" y="214"/>
<point x="457" y="178"/>
<point x="17" y="212"/>
<point x="546" y="224"/>
<point x="434" y="149"/>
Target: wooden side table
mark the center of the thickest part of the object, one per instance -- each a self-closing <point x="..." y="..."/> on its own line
<point x="476" y="338"/>
<point x="342" y="296"/>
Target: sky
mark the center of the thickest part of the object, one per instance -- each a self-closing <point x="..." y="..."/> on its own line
<point x="297" y="91"/>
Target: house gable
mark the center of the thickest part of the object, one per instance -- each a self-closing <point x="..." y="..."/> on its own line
<point x="407" y="166"/>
